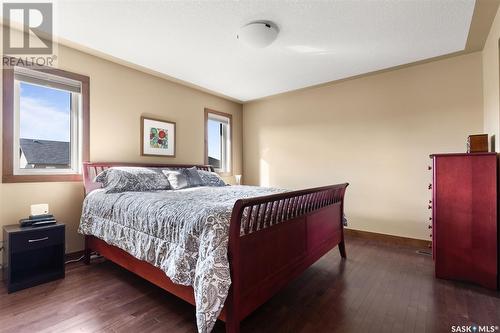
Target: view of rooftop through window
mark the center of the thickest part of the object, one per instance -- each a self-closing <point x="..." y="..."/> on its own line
<point x="44" y="113"/>
<point x="44" y="127"/>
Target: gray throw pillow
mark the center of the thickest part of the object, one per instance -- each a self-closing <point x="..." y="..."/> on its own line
<point x="210" y="178"/>
<point x="193" y="177"/>
<point x="136" y="179"/>
<point x="177" y="178"/>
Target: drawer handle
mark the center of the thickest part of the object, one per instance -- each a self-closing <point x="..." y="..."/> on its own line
<point x="37" y="240"/>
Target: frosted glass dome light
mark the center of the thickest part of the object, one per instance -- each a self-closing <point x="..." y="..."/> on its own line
<point x="258" y="34"/>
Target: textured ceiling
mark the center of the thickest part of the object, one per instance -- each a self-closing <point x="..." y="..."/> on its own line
<point x="319" y="41"/>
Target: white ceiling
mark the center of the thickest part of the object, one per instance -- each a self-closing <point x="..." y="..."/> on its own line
<point x="319" y="41"/>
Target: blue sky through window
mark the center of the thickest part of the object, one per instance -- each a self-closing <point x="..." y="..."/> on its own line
<point x="44" y="113"/>
<point x="214" y="139"/>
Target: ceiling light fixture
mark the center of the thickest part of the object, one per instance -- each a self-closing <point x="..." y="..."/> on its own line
<point x="258" y="34"/>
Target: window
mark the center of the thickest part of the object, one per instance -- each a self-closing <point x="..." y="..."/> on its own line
<point x="45" y="125"/>
<point x="218" y="141"/>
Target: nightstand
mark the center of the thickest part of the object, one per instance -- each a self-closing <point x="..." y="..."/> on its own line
<point x="32" y="255"/>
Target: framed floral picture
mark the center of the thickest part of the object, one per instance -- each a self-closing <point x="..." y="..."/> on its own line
<point x="157" y="137"/>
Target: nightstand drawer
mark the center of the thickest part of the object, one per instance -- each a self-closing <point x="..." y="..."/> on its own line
<point x="35" y="239"/>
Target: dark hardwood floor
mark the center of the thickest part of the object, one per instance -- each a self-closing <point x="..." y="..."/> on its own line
<point x="379" y="288"/>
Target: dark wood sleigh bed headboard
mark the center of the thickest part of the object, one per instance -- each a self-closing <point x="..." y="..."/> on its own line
<point x="92" y="169"/>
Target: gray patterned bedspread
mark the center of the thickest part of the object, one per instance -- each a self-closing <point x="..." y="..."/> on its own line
<point x="183" y="232"/>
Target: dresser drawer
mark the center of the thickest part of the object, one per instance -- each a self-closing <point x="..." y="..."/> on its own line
<point x="35" y="239"/>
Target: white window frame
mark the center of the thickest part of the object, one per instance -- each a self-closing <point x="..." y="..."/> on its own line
<point x="76" y="121"/>
<point x="226" y="157"/>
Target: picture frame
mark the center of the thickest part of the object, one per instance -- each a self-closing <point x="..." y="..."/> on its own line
<point x="157" y="137"/>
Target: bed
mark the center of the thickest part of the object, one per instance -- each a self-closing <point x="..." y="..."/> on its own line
<point x="262" y="239"/>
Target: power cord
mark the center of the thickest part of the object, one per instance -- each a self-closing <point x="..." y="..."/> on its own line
<point x="74" y="260"/>
<point x="426" y="253"/>
<point x="93" y="255"/>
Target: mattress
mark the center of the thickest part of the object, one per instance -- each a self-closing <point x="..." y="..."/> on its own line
<point x="183" y="232"/>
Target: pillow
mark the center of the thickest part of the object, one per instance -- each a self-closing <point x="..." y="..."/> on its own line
<point x="177" y="178"/>
<point x="137" y="179"/>
<point x="193" y="177"/>
<point x="210" y="178"/>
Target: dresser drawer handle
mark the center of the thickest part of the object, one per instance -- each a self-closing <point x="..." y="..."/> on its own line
<point x="37" y="240"/>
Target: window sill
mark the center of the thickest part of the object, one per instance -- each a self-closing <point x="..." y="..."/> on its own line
<point x="41" y="178"/>
<point x="224" y="174"/>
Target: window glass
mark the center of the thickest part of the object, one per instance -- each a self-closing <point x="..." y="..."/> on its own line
<point x="218" y="129"/>
<point x="44" y="127"/>
<point x="214" y="143"/>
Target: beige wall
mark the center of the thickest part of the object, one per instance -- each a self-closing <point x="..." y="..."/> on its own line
<point x="374" y="132"/>
<point x="491" y="73"/>
<point x="118" y="97"/>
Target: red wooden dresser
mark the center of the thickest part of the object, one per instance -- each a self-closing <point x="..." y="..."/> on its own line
<point x="464" y="217"/>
